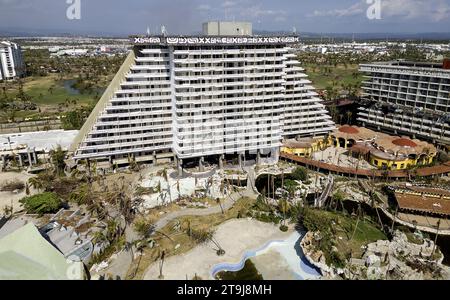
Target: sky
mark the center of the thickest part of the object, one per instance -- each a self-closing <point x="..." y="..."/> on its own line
<point x="123" y="17"/>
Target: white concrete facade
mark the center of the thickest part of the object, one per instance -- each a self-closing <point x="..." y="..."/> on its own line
<point x="11" y="61"/>
<point x="407" y="98"/>
<point x="203" y="96"/>
<point x="220" y="28"/>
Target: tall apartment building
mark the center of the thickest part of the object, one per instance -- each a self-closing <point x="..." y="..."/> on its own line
<point x="202" y="96"/>
<point x="11" y="61"/>
<point x="407" y="98"/>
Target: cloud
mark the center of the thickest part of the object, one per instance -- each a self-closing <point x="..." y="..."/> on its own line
<point x="257" y="12"/>
<point x="428" y="10"/>
<point x="431" y="10"/>
<point x="228" y="4"/>
<point x="204" y="7"/>
<point x="355" y="9"/>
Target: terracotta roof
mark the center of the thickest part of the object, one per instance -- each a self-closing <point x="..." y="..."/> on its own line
<point x="348" y="129"/>
<point x="404" y="142"/>
<point x="384" y="145"/>
<point x="423" y="203"/>
<point x="427" y="171"/>
<point x="426" y="190"/>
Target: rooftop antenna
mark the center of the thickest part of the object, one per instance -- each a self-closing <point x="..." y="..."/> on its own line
<point x="148" y="31"/>
<point x="294" y="30"/>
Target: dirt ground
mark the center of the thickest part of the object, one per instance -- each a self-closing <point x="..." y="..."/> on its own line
<point x="10" y="198"/>
<point x="235" y="236"/>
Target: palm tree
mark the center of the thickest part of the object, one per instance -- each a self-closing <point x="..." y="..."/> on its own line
<point x="283" y="206"/>
<point x="99" y="237"/>
<point x="220" y="204"/>
<point x="204" y="236"/>
<point x="349" y="117"/>
<point x="357" y="221"/>
<point x="57" y="157"/>
<point x="36" y="183"/>
<point x="161" y="264"/>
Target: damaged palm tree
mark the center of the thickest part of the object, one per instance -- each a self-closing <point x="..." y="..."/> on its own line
<point x="205" y="236"/>
<point x="161" y="264"/>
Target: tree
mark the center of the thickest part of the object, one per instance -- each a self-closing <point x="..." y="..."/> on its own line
<point x="57" y="157"/>
<point x="27" y="189"/>
<point x="220" y="204"/>
<point x="42" y="203"/>
<point x="283" y="206"/>
<point x="338" y="197"/>
<point x="143" y="227"/>
<point x="73" y="120"/>
<point x="349" y="117"/>
<point x="300" y="173"/>
<point x="204" y="236"/>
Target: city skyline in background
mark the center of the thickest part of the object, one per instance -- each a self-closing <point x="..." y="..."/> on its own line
<point x="114" y="18"/>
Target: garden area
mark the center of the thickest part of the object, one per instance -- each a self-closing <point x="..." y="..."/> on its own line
<point x="339" y="236"/>
<point x="55" y="86"/>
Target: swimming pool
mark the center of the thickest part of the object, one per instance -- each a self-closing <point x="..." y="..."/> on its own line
<point x="289" y="249"/>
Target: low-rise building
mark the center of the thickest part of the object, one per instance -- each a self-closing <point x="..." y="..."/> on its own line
<point x="382" y="150"/>
<point x="305" y="147"/>
<point x="28" y="148"/>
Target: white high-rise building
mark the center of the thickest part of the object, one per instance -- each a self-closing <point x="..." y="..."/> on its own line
<point x="202" y="96"/>
<point x="409" y="98"/>
<point x="11" y="61"/>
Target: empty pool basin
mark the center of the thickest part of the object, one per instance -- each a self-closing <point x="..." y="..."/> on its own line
<point x="289" y="249"/>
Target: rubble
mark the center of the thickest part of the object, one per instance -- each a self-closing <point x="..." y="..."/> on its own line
<point x="393" y="260"/>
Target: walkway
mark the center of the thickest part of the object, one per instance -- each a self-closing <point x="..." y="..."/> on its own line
<point x="226" y="205"/>
<point x="442" y="169"/>
<point x="326" y="193"/>
<point x="120" y="266"/>
<point x="428" y="229"/>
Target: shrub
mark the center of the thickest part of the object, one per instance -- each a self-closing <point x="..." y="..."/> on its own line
<point x="42" y="203"/>
<point x="442" y="157"/>
<point x="300" y="174"/>
<point x="284" y="228"/>
<point x="142" y="226"/>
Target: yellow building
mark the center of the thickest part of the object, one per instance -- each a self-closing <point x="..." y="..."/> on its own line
<point x="382" y="150"/>
<point x="305" y="147"/>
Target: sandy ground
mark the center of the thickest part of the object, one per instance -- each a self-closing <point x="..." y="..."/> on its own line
<point x="235" y="236"/>
<point x="337" y="156"/>
<point x="273" y="266"/>
<point x="9" y="198"/>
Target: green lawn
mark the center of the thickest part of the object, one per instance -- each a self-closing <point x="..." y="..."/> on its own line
<point x="366" y="233"/>
<point x="321" y="79"/>
<point x="40" y="91"/>
<point x="342" y="227"/>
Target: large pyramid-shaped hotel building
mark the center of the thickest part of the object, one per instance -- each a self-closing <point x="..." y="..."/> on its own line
<point x="225" y="92"/>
